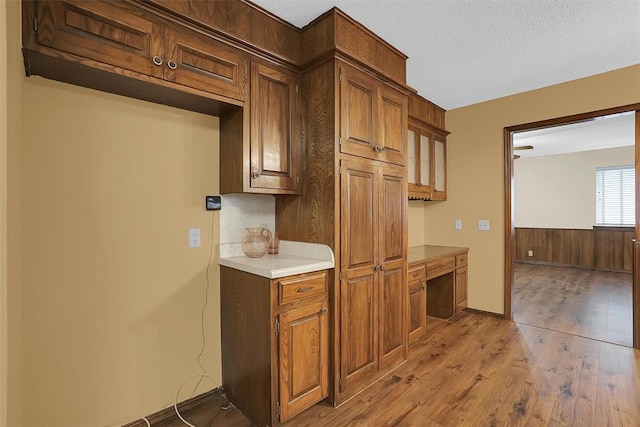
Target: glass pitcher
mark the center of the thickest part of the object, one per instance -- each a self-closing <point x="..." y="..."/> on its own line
<point x="256" y="242"/>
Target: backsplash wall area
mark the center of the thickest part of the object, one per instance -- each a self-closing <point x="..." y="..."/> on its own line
<point x="240" y="211"/>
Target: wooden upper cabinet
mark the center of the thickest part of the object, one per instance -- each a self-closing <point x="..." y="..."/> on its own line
<point x="275" y="128"/>
<point x="427" y="150"/>
<point x="303" y="347"/>
<point x="204" y="63"/>
<point x="373" y="117"/>
<point x="113" y="33"/>
<point x="118" y="34"/>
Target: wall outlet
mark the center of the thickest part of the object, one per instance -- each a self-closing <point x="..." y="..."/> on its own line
<point x="457" y="224"/>
<point x="194" y="237"/>
<point x="483" y="224"/>
<point x="530" y="252"/>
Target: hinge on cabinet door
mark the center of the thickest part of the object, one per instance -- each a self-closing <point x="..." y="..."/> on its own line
<point x="340" y="170"/>
<point x="297" y="88"/>
<point x="339" y="140"/>
<point x="340" y="381"/>
<point x="278" y="409"/>
<point x="35" y="24"/>
<point x="277" y="327"/>
<point x="297" y="179"/>
<point x="340" y="77"/>
<point x="340" y="275"/>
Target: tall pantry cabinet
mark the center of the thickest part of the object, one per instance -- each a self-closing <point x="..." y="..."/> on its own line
<point x="354" y="194"/>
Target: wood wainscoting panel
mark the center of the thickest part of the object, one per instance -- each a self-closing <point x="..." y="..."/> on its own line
<point x="603" y="248"/>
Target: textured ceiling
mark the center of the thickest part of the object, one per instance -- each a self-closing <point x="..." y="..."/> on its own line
<point x="617" y="130"/>
<point x="462" y="52"/>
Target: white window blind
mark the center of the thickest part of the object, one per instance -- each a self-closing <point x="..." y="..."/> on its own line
<point x="615" y="196"/>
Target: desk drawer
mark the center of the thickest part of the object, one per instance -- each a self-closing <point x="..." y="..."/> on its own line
<point x="417" y="273"/>
<point x="296" y="288"/>
<point x="461" y="260"/>
<point x="437" y="268"/>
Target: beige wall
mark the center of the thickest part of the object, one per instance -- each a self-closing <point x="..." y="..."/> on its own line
<point x="416" y="222"/>
<point x="15" y="73"/>
<point x="112" y="292"/>
<point x="560" y="191"/>
<point x="3" y="215"/>
<point x="105" y="296"/>
<point x="476" y="169"/>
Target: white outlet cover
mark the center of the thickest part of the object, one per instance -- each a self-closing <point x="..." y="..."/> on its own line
<point x="457" y="224"/>
<point x="194" y="237"/>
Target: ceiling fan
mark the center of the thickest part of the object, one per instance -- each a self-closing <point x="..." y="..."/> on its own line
<point x="522" y="147"/>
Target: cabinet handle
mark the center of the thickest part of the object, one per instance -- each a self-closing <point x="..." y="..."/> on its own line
<point x="172" y="64"/>
<point x="157" y="60"/>
<point x="302" y="290"/>
<point x="416" y="274"/>
<point x="324" y="310"/>
<point x="382" y="148"/>
<point x="254" y="175"/>
<point x="377" y="149"/>
<point x="376" y="268"/>
<point x="382" y="267"/>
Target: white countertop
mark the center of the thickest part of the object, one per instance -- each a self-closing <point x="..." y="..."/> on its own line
<point x="293" y="258"/>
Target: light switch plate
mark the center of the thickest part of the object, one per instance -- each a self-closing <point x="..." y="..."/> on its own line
<point x="483" y="225"/>
<point x="458" y="224"/>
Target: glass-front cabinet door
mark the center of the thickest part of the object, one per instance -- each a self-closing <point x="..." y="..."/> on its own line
<point x="419" y="161"/>
<point x="440" y="168"/>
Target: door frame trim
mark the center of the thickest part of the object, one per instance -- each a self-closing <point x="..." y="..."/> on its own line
<point x="509" y="228"/>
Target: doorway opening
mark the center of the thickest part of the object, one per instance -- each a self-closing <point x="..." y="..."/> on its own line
<point x="562" y="270"/>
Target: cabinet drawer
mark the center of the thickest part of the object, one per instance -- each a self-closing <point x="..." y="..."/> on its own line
<point x="461" y="260"/>
<point x="437" y="268"/>
<point x="417" y="273"/>
<point x="297" y="288"/>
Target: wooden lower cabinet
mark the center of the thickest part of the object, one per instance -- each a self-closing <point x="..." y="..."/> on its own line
<point x="437" y="286"/>
<point x="373" y="291"/>
<point x="417" y="316"/>
<point x="275" y="343"/>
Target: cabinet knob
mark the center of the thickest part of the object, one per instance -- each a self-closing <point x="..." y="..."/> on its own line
<point x="172" y="64"/>
<point x="303" y="290"/>
<point x="157" y="60"/>
<point x="324" y="310"/>
<point x="254" y="175"/>
<point x="376" y="268"/>
<point x="382" y="267"/>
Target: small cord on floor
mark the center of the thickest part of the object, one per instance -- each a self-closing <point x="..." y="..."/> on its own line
<point x="175" y="404"/>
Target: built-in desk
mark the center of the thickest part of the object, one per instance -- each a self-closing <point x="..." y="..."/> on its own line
<point x="437" y="284"/>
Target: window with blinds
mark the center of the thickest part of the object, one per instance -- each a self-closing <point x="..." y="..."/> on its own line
<point x="615" y="196"/>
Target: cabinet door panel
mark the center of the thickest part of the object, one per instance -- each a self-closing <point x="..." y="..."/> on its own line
<point x="392" y="222"/>
<point x="303" y="358"/>
<point x="461" y="288"/>
<point x="393" y="121"/>
<point x="203" y="63"/>
<point x="391" y="302"/>
<point x="118" y="35"/>
<point x="359" y="197"/>
<point x="417" y="310"/>
<point x="275" y="128"/>
<point x="358" y="111"/>
<point x="358" y="332"/>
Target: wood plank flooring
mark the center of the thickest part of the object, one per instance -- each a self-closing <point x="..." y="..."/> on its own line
<point x="589" y="303"/>
<point x="483" y="371"/>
